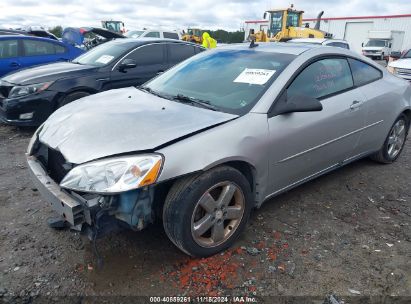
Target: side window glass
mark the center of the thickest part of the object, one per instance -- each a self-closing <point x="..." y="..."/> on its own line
<point x="199" y="50"/>
<point x="180" y="52"/>
<point x="35" y="48"/>
<point x="59" y="49"/>
<point x="363" y="73"/>
<point x="171" y="35"/>
<point x="148" y="55"/>
<point x="8" y="49"/>
<point x="322" y="78"/>
<point x="153" y="35"/>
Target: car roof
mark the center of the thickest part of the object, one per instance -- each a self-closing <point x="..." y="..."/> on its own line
<point x="273" y="47"/>
<point x="8" y="37"/>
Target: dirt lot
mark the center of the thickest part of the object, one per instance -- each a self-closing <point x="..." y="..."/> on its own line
<point x="347" y="233"/>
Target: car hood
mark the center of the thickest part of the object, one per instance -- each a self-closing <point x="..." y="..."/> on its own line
<point x="122" y="121"/>
<point x="401" y="63"/>
<point x="47" y="72"/>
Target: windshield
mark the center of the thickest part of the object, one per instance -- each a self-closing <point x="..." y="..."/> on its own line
<point x="102" y="54"/>
<point x="231" y="81"/>
<point x="292" y="19"/>
<point x="377" y="43"/>
<point x="276" y="23"/>
<point x="133" y="34"/>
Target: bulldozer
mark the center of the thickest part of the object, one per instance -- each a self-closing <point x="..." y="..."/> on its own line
<point x="286" y="24"/>
<point x="192" y="35"/>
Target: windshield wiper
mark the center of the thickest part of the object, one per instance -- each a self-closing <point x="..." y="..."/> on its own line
<point x="187" y="99"/>
<point x="151" y="91"/>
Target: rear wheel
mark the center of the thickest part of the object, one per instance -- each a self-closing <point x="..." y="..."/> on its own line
<point x="205" y="214"/>
<point x="71" y="97"/>
<point x="395" y="141"/>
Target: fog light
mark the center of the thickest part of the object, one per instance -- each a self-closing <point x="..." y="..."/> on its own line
<point x="26" y="115"/>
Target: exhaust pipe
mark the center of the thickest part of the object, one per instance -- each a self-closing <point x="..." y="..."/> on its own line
<point x="317" y="24"/>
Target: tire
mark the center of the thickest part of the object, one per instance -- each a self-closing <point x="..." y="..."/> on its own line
<point x="390" y="152"/>
<point x="71" y="97"/>
<point x="184" y="210"/>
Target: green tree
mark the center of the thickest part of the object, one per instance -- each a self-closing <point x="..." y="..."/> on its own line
<point x="57" y="31"/>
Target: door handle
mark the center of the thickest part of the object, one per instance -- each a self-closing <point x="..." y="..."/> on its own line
<point x="160" y="72"/>
<point x="14" y="64"/>
<point x="355" y="104"/>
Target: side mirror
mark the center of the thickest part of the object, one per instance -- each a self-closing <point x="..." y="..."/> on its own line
<point x="127" y="64"/>
<point x="362" y="44"/>
<point x="390" y="45"/>
<point x="395" y="55"/>
<point x="265" y="15"/>
<point x="296" y="103"/>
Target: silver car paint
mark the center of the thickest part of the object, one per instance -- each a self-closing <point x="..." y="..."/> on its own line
<point x="283" y="150"/>
<point x="121" y="121"/>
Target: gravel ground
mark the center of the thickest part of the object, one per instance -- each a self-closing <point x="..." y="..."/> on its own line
<point x="346" y="234"/>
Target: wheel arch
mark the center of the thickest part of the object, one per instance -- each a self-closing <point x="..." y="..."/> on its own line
<point x="72" y="90"/>
<point x="245" y="168"/>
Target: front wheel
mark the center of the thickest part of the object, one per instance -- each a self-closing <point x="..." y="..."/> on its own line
<point x="204" y="214"/>
<point x="395" y="141"/>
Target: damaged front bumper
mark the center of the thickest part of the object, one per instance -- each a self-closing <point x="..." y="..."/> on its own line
<point x="82" y="211"/>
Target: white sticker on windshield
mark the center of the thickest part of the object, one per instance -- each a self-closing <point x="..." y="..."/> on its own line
<point x="105" y="59"/>
<point x="255" y="76"/>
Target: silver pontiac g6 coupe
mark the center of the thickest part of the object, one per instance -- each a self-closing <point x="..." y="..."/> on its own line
<point x="204" y="143"/>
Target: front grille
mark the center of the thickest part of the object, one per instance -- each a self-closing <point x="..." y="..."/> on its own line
<point x="405" y="72"/>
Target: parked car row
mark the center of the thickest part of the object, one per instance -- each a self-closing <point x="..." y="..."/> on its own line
<point x="28" y="97"/>
<point x="198" y="139"/>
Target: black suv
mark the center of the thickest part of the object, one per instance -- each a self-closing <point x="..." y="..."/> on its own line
<point x="29" y="96"/>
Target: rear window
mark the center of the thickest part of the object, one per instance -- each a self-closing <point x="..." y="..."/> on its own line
<point x="171" y="35"/>
<point x="363" y="73"/>
<point x="8" y="49"/>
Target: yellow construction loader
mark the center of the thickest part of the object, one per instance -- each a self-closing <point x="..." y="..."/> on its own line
<point x="286" y="24"/>
<point x="192" y="35"/>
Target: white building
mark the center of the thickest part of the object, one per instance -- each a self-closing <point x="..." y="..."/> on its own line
<point x="353" y="29"/>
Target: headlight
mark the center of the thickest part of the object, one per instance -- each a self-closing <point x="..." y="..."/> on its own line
<point x="19" y="91"/>
<point x="114" y="175"/>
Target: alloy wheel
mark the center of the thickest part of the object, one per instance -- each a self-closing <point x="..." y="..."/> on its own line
<point x="217" y="214"/>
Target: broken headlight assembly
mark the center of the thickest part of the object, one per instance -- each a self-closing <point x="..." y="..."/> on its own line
<point x="114" y="175"/>
<point x="20" y="91"/>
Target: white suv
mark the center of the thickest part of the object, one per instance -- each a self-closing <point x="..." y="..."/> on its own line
<point x="153" y="34"/>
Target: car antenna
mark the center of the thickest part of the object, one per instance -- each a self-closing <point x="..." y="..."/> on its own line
<point x="253" y="44"/>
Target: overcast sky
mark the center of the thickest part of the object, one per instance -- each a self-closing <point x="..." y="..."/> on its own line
<point x="178" y="14"/>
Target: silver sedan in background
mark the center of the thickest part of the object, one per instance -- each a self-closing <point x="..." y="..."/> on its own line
<point x="203" y="144"/>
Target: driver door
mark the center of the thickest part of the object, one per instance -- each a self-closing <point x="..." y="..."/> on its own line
<point x="150" y="60"/>
<point x="305" y="144"/>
